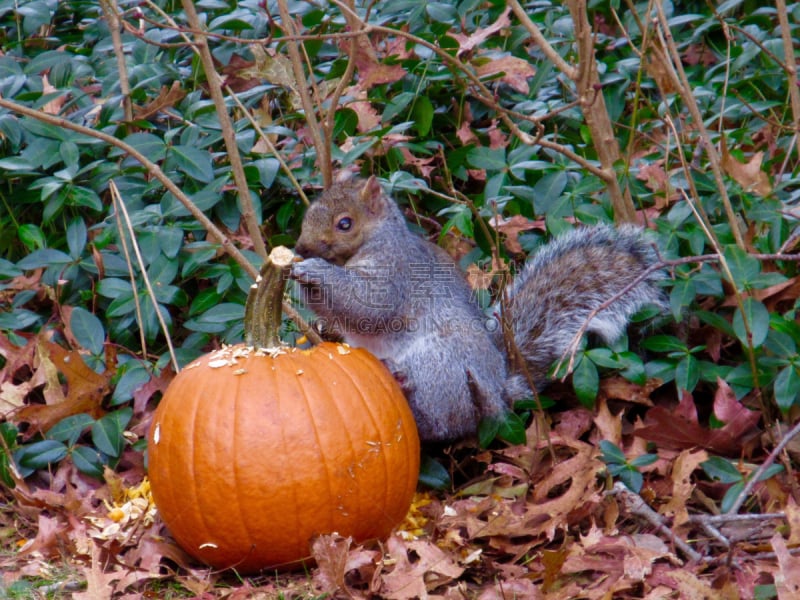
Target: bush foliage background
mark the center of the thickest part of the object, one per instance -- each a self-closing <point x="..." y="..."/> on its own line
<point x="470" y="124"/>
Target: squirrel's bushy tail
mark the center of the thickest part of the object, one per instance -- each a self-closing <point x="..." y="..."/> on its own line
<point x="554" y="294"/>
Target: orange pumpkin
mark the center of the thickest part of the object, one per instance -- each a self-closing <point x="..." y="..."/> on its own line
<point x="252" y="453"/>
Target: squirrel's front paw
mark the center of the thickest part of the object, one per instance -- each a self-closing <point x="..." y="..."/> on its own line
<point x="310" y="270"/>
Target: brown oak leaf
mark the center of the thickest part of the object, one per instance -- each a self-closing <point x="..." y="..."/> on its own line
<point x="512" y="70"/>
<point x="679" y="428"/>
<point x="85" y="388"/>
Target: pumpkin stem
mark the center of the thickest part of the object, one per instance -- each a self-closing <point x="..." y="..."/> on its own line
<point x="262" y="313"/>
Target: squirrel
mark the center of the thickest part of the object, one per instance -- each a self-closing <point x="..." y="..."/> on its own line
<point x="375" y="283"/>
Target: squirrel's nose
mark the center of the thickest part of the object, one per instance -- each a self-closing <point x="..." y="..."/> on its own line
<point x="309" y="250"/>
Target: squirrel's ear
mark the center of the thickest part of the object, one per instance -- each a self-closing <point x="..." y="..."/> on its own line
<point x="372" y="195"/>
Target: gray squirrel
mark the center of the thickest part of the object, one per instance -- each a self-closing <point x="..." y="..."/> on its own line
<point x="377" y="284"/>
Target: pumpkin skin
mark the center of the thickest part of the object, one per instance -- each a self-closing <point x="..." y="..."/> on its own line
<point x="251" y="456"/>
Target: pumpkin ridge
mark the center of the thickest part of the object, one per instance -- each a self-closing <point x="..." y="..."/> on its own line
<point x="306" y="361"/>
<point x="167" y="424"/>
<point x="240" y="408"/>
<point x="292" y="468"/>
<point x="375" y="420"/>
<point x="373" y="367"/>
<point x="199" y="447"/>
<point x="405" y="429"/>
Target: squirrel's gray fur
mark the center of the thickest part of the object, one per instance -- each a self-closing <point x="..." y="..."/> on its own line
<point x="381" y="287"/>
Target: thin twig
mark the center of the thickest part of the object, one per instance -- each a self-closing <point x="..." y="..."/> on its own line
<point x="111" y="12"/>
<point x="251" y="220"/>
<point x="538" y="37"/>
<point x="287" y="170"/>
<point x="729" y="517"/>
<point x="756" y="475"/>
<point x="121" y="209"/>
<point x="675" y="68"/>
<point x="301" y="85"/>
<point x="635" y="505"/>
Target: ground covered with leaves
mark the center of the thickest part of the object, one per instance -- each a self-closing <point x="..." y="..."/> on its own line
<point x="150" y="153"/>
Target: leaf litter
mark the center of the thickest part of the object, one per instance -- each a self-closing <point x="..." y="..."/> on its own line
<point x="539" y="520"/>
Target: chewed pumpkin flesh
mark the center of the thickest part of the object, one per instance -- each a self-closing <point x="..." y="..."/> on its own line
<point x="251" y="456"/>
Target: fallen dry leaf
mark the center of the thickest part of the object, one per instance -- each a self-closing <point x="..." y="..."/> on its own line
<point x="787" y="580"/>
<point x="466" y="43"/>
<point x="330" y="553"/>
<point x="747" y="174"/>
<point x="511" y="228"/>
<point x="513" y="71"/>
<point x="679" y="428"/>
<point x="682" y="487"/>
<point x="85" y="388"/>
<point x="431" y="568"/>
<point x="167" y="98"/>
<point x="371" y="71"/>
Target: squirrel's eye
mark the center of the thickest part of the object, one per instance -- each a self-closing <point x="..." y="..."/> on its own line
<point x="344" y="224"/>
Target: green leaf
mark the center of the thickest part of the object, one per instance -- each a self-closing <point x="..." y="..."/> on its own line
<point x="664" y="343"/>
<point x="491" y="159"/>
<point x="43" y="258"/>
<point x="487" y="431"/>
<point x="170" y="240"/>
<point x="113" y="287"/>
<point x="6" y="477"/>
<point x="432" y="474"/>
<point x="612" y="453"/>
<point x="162" y="271"/>
<point x="18" y="319"/>
<point x="756" y="316"/>
<point x="744" y="268"/>
<point x="135" y="375"/>
<point x="35" y="14"/>
<point x="32" y="236"/>
<point x="152" y="146"/>
<point x="196" y="163"/>
<point x="422" y="114"/>
<point x="39" y="455"/>
<point x="716" y="321"/>
<point x="76" y="237"/>
<point x="643" y="460"/>
<point x="88" y="460"/>
<point x="722" y="470"/>
<point x="548" y="190"/>
<point x="512" y="429"/>
<point x="267" y="171"/>
<point x="397" y="104"/>
<point x="603" y="357"/>
<point x="442" y="12"/>
<point x="586" y="382"/>
<point x="730" y="496"/>
<point x="88" y="330"/>
<point x="107" y="432"/>
<point x="632" y="479"/>
<point x="633" y="368"/>
<point x="770" y="472"/>
<point x="681" y="295"/>
<point x="122" y="305"/>
<point x="687" y="373"/>
<point x="224" y="313"/>
<point x="70" y="155"/>
<point x="69" y="429"/>
<point x="787" y="388"/>
<point x="84" y="197"/>
<point x="9" y="433"/>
